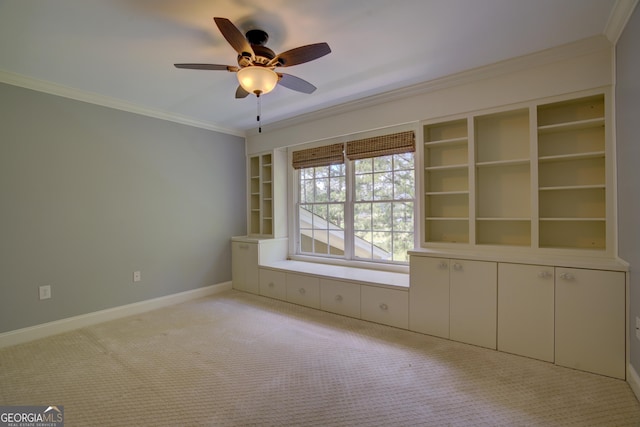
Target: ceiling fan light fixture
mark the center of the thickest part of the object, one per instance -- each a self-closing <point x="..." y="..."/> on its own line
<point x="257" y="80"/>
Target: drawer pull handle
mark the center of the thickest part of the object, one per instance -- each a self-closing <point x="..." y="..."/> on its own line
<point x="338" y="298"/>
<point x="566" y="276"/>
<point x="443" y="265"/>
<point x="271" y="285"/>
<point x="244" y="246"/>
<point x="384" y="307"/>
<point x="302" y="291"/>
<point x="457" y="266"/>
<point x="544" y="274"/>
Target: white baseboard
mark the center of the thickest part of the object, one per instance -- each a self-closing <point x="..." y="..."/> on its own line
<point x="31" y="333"/>
<point x="634" y="381"/>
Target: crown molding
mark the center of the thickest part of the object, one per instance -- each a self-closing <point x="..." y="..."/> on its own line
<point x="620" y="14"/>
<point x="105" y="101"/>
<point x="547" y="56"/>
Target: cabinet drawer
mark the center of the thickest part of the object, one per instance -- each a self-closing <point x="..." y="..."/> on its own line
<point x="273" y="284"/>
<point x="386" y="306"/>
<point x="303" y="290"/>
<point x="340" y="297"/>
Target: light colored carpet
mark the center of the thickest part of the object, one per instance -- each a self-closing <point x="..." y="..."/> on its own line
<point x="237" y="359"/>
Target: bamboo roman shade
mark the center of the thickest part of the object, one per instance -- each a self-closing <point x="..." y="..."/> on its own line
<point x="384" y="145"/>
<point x="319" y="156"/>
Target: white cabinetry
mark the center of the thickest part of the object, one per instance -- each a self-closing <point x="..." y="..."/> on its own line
<point x="246" y="255"/>
<point x="385" y="305"/>
<point x="429" y="296"/>
<point x="454" y="299"/>
<point x="340" y="297"/>
<point x="267" y="215"/>
<point x="473" y="302"/>
<point x="590" y="320"/>
<point x="526" y="310"/>
<point x="273" y="284"/>
<point x="303" y="290"/>
<point x="244" y="266"/>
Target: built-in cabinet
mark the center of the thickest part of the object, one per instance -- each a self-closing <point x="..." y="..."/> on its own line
<point x="454" y="298"/>
<point x="590" y="320"/>
<point x="533" y="177"/>
<point x="517" y="238"/>
<point x="472" y="302"/>
<point x="246" y="255"/>
<point x="266" y="190"/>
<point x="574" y="317"/>
<point x="388" y="305"/>
<point x="526" y="310"/>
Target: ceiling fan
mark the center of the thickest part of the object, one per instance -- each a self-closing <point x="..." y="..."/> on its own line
<point x="257" y="63"/>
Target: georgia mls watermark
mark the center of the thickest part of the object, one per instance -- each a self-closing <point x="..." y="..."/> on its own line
<point x="32" y="416"/>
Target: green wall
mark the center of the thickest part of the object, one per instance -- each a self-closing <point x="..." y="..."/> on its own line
<point x="89" y="194"/>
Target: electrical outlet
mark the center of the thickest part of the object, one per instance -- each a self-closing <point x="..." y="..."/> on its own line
<point x="137" y="276"/>
<point x="45" y="292"/>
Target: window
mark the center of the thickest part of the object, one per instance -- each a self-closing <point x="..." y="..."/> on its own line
<point x="361" y="207"/>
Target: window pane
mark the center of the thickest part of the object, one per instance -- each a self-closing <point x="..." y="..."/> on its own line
<point x="383" y="186"/>
<point x="321" y="172"/>
<point x="403" y="216"/>
<point x="337" y="170"/>
<point x="381" y="217"/>
<point x="382" y="245"/>
<point x="404" y="185"/>
<point x="320" y="216"/>
<point x="336" y="242"/>
<point x="402" y="243"/>
<point x="322" y="190"/>
<point x="383" y="163"/>
<point x="336" y="217"/>
<point x="364" y="187"/>
<point x="363" y="166"/>
<point x="362" y="216"/>
<point x="337" y="189"/>
<point x="403" y="161"/>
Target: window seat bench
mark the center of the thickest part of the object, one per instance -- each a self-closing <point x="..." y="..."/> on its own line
<point x="373" y="295"/>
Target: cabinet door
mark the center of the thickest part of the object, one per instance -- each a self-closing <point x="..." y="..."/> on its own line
<point x="590" y="320"/>
<point x="429" y="296"/>
<point x="273" y="284"/>
<point x="473" y="302"/>
<point x="244" y="266"/>
<point x="386" y="306"/>
<point x="303" y="290"/>
<point x="340" y="297"/>
<point x="526" y="310"/>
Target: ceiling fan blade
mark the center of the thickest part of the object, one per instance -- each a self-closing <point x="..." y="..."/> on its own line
<point x="241" y="93"/>
<point x="235" y="38"/>
<point x="296" y="83"/>
<point x="301" y="55"/>
<point x="214" y="67"/>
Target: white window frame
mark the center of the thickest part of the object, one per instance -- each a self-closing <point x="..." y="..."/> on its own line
<point x="293" y="199"/>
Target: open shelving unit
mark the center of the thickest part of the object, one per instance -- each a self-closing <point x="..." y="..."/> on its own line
<point x="533" y="176"/>
<point x="446" y="179"/>
<point x="572" y="179"/>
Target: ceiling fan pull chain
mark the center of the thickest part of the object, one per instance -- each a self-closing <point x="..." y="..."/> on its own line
<point x="259" y="111"/>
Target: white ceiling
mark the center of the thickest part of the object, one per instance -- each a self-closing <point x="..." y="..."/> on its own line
<point x="121" y="52"/>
